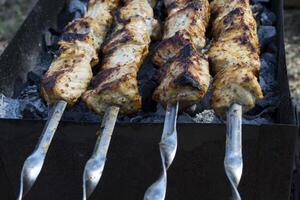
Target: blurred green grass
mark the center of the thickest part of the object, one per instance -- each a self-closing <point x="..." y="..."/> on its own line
<point x="12" y="14"/>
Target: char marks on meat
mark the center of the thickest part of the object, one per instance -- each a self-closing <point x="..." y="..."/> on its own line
<point x="234" y="55"/>
<point x="184" y="71"/>
<point x="125" y="50"/>
<point x="71" y="71"/>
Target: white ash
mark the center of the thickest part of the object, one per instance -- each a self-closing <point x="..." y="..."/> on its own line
<point x="207" y="116"/>
<point x="31" y="104"/>
<point x="9" y="108"/>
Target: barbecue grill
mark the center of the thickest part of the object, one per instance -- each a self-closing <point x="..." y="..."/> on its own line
<point x="133" y="159"/>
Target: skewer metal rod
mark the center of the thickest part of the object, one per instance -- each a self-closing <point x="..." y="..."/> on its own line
<point x="34" y="163"/>
<point x="168" y="148"/>
<point x="94" y="167"/>
<point x="233" y="162"/>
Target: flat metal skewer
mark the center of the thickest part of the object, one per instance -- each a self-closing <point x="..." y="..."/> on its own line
<point x="94" y="167"/>
<point x="168" y="148"/>
<point x="34" y="163"/>
<point x="233" y="162"/>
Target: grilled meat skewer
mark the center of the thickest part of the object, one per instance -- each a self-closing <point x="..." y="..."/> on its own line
<point x="68" y="77"/>
<point x="184" y="71"/>
<point x="71" y="71"/>
<point x="115" y="87"/>
<point x="116" y="83"/>
<point x="184" y="75"/>
<point x="234" y="56"/>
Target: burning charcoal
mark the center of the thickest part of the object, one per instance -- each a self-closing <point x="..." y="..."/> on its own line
<point x="9" y="108"/>
<point x="73" y="9"/>
<point x="267" y="73"/>
<point x="34" y="77"/>
<point x="77" y="7"/>
<point x="207" y="116"/>
<point x="150" y="117"/>
<point x="268" y="18"/>
<point x="257" y="9"/>
<point x="259" y="1"/>
<point x="80" y="113"/>
<point x="193" y="110"/>
<point x="272" y="48"/>
<point x="266" y="34"/>
<point x="136" y="119"/>
<point x="32" y="106"/>
<point x="184" y="118"/>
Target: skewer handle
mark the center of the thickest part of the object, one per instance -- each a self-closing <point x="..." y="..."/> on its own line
<point x="34" y="163"/>
<point x="51" y="126"/>
<point x="168" y="148"/>
<point x="94" y="167"/>
<point x="233" y="162"/>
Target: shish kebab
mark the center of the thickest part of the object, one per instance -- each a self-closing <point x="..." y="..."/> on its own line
<point x="69" y="76"/>
<point x="234" y="58"/>
<point x="115" y="87"/>
<point x="184" y="74"/>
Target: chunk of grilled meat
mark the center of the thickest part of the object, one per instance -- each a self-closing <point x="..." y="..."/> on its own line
<point x="70" y="72"/>
<point x="186" y="24"/>
<point x="116" y="83"/>
<point x="184" y="71"/>
<point x="236" y="84"/>
<point x="234" y="55"/>
<point x="185" y="79"/>
<point x="235" y="38"/>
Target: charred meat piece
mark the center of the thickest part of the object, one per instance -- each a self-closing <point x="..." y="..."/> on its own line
<point x="70" y="73"/>
<point x="234" y="55"/>
<point x="184" y="70"/>
<point x="235" y="84"/>
<point x="186" y="24"/>
<point x="185" y="79"/>
<point x="116" y="83"/>
<point x="235" y="38"/>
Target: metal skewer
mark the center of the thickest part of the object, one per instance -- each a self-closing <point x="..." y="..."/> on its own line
<point x="233" y="162"/>
<point x="168" y="148"/>
<point x="95" y="165"/>
<point x="34" y="163"/>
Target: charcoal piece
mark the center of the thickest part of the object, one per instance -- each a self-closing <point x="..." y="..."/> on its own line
<point x="77" y="7"/>
<point x="266" y="35"/>
<point x="267" y="74"/>
<point x="184" y="118"/>
<point x="73" y="9"/>
<point x="147" y="83"/>
<point x="147" y="88"/>
<point x="259" y="1"/>
<point x="9" y="108"/>
<point x="32" y="105"/>
<point x="257" y="9"/>
<point x="267" y="18"/>
<point x="80" y="113"/>
<point x="272" y="48"/>
<point x="34" y="77"/>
